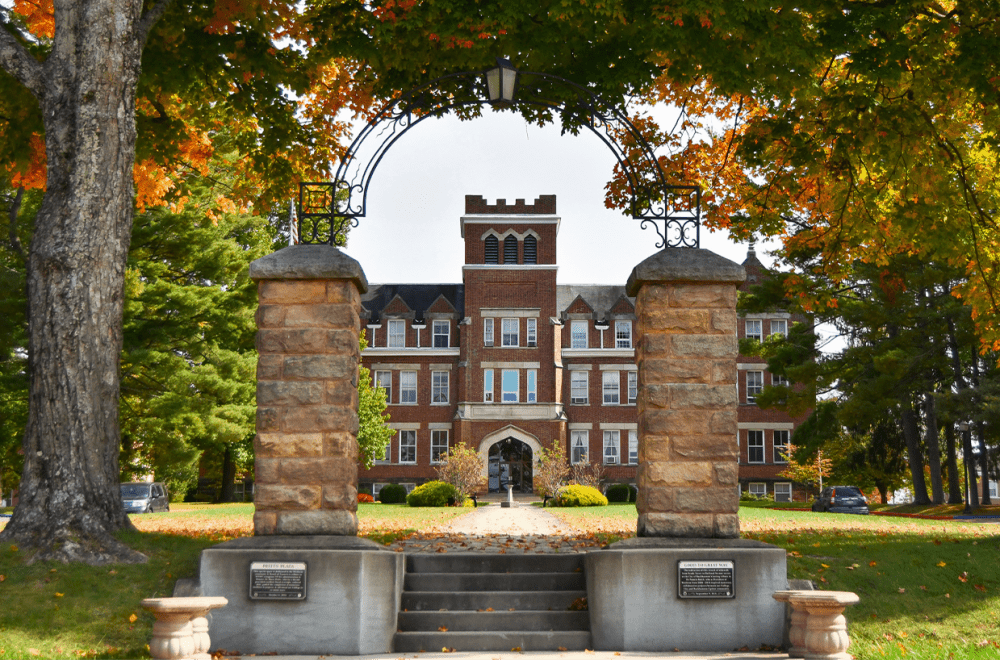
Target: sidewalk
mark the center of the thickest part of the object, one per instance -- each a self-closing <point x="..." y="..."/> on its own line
<point x="564" y="655"/>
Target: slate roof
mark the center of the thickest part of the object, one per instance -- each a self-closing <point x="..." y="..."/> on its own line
<point x="600" y="297"/>
<point x="419" y="297"/>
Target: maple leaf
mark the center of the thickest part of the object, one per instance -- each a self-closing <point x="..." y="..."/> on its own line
<point x="443" y="629"/>
<point x="964" y="577"/>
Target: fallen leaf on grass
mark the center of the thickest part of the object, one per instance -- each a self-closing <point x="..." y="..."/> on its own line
<point x="964" y="577"/>
<point x="59" y="595"/>
<point x="443" y="629"/>
<point x="980" y="587"/>
<point x="902" y="590"/>
<point x="873" y="563"/>
<point x="941" y="564"/>
<point x="34" y="652"/>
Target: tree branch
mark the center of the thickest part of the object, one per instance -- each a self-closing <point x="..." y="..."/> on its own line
<point x="18" y="62"/>
<point x="148" y="20"/>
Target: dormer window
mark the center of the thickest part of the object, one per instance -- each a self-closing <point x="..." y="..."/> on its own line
<point x="442" y="332"/>
<point x="530" y="250"/>
<point x="492" y="248"/>
<point x="510" y="250"/>
<point x="397" y="334"/>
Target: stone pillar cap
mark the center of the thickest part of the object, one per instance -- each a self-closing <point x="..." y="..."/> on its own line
<point x="827" y="598"/>
<point x="684" y="265"/>
<point x="309" y="262"/>
<point x="186" y="604"/>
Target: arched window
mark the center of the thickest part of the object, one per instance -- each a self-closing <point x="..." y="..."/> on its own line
<point x="530" y="250"/>
<point x="492" y="250"/>
<point x="510" y="250"/>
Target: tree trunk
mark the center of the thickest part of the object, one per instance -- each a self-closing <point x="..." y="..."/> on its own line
<point x="954" y="479"/>
<point x="970" y="469"/>
<point x="984" y="464"/>
<point x="933" y="448"/>
<point x="70" y="505"/>
<point x="226" y="490"/>
<point x="914" y="454"/>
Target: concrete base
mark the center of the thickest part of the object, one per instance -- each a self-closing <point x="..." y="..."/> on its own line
<point x="352" y="601"/>
<point x="634" y="604"/>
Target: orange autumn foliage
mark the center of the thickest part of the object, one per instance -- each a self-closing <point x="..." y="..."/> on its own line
<point x="38" y="15"/>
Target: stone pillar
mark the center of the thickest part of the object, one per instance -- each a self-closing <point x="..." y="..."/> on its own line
<point x="686" y="349"/>
<point x="307" y="399"/>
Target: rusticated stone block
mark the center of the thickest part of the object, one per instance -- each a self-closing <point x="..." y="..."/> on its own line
<point x="266" y="470"/>
<point x="724" y="372"/>
<point x="679" y="473"/>
<point x="675" y="422"/>
<point x="264" y="523"/>
<point x="291" y="291"/>
<point x="724" y="322"/>
<point x="706" y="500"/>
<point x="268" y="419"/>
<point x="682" y="525"/>
<point x="652" y="344"/>
<point x="323" y="316"/>
<point x="320" y="367"/>
<point x="654" y="448"/>
<point x="705" y="447"/>
<point x="676" y="321"/>
<point x="723" y="422"/>
<point x="655" y="500"/>
<point x="316" y="470"/>
<point x="341" y="393"/>
<point x="341" y="496"/>
<point x="340" y="444"/>
<point x="727" y="474"/>
<point x="321" y="522"/>
<point x="270" y="316"/>
<point x="277" y="445"/>
<point x="269" y="367"/>
<point x="696" y="396"/>
<point x="704" y="346"/>
<point x="342" y="291"/>
<point x="703" y="295"/>
<point x="726" y="526"/>
<point x="677" y="371"/>
<point x="320" y="418"/>
<point x="301" y="340"/>
<point x="284" y="393"/>
<point x="296" y="498"/>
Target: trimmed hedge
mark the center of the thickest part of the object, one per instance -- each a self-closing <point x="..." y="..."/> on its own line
<point x="576" y="495"/>
<point x="621" y="493"/>
<point x="433" y="493"/>
<point x="392" y="494"/>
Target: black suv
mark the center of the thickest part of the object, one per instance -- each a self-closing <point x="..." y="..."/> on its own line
<point x="841" y="499"/>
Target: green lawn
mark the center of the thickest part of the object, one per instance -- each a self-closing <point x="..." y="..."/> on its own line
<point x="929" y="589"/>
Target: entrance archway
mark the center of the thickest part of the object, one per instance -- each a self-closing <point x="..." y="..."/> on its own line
<point x="510" y="463"/>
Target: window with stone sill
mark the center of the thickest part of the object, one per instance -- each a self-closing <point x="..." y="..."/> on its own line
<point x="755" y="385"/>
<point x="407" y="447"/>
<point x="612" y="443"/>
<point x="757" y="489"/>
<point x="439" y="445"/>
<point x="578" y="382"/>
<point x="623" y="334"/>
<point x="753" y="329"/>
<point x="509" y="331"/>
<point x="383" y="379"/>
<point x="439" y="387"/>
<point x="633" y="447"/>
<point x="611" y="388"/>
<point x="509" y="386"/>
<point x="531" y="332"/>
<point x="487" y="332"/>
<point x="783" y="492"/>
<point x="397" y="334"/>
<point x="487" y="386"/>
<point x="633" y="386"/>
<point x="442" y="334"/>
<point x="386" y="458"/>
<point x="407" y="387"/>
<point x="755" y="446"/>
<point x="780" y="446"/>
<point x="578" y="334"/>
<point x="779" y="327"/>
<point x="579" y="443"/>
<point x="532" y="391"/>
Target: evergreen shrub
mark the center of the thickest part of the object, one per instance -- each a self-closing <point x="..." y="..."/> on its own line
<point x="392" y="494"/>
<point x="576" y="495"/>
<point x="621" y="493"/>
<point x="433" y="493"/>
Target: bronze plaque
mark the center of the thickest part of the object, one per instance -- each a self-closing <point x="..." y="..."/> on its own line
<point x="276" y="580"/>
<point x="706" y="579"/>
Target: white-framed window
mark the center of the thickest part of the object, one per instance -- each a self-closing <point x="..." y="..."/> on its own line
<point x="407" y="387"/>
<point x="993" y="489"/>
<point x="408" y="447"/>
<point x="532" y="392"/>
<point x="578" y="386"/>
<point x="531" y="332"/>
<point x="442" y="333"/>
<point x="579" y="442"/>
<point x="778" y="380"/>
<point x="611" y="388"/>
<point x="509" y="329"/>
<point x="633" y="447"/>
<point x="633" y="386"/>
<point x="779" y="327"/>
<point x="439" y="445"/>
<point x="754" y="329"/>
<point x="612" y="442"/>
<point x="755" y="383"/>
<point x="397" y="333"/>
<point x="376" y="488"/>
<point x="487" y="386"/>
<point x="383" y="379"/>
<point x="755" y="446"/>
<point x="386" y="459"/>
<point x="509" y="385"/>
<point x="578" y="334"/>
<point x="780" y="447"/>
<point x="488" y="332"/>
<point x="439" y="387"/>
<point x="623" y="334"/>
<point x="757" y="489"/>
<point x="783" y="492"/>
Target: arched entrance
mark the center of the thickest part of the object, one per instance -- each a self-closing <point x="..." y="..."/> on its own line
<point x="509" y="462"/>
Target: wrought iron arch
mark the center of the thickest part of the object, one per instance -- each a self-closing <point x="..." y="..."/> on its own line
<point x="327" y="210"/>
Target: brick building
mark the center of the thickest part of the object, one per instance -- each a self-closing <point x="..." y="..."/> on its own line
<point x="509" y="362"/>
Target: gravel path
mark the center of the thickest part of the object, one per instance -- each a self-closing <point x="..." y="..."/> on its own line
<point x="513" y="521"/>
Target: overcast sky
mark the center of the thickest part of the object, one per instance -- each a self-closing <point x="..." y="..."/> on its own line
<point x="417" y="196"/>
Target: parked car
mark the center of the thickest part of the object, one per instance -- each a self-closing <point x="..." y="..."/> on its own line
<point x="141" y="497"/>
<point x="841" y="499"/>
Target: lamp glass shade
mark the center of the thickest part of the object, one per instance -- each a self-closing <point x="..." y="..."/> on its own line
<point x="501" y="80"/>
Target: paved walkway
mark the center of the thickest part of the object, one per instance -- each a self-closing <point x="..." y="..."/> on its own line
<point x="555" y="655"/>
<point x="522" y="529"/>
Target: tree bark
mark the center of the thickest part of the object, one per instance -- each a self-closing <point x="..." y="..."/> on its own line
<point x="914" y="454"/>
<point x="228" y="486"/>
<point x="70" y="506"/>
<point x="933" y="448"/>
<point x="954" y="479"/>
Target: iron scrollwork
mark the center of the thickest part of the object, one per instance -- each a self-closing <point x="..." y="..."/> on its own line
<point x="328" y="210"/>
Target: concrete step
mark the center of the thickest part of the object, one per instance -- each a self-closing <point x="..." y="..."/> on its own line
<point x="495" y="582"/>
<point x="493" y="621"/>
<point x="480" y="600"/>
<point x="469" y="562"/>
<point x="434" y="642"/>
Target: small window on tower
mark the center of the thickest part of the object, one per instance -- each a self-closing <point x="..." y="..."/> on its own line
<point x="510" y="250"/>
<point x="530" y="250"/>
<point x="492" y="248"/>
